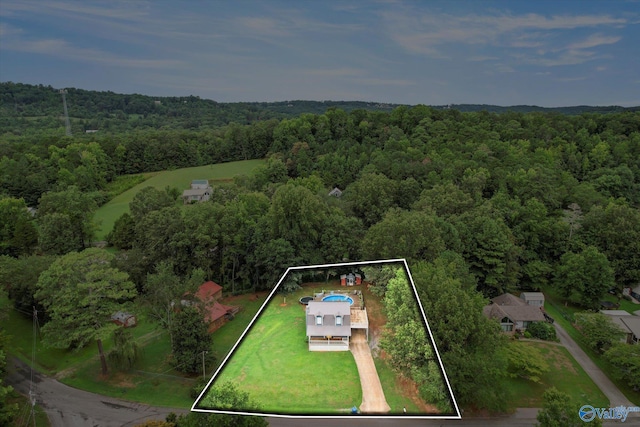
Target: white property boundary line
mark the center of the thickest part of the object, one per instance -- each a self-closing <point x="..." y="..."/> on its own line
<point x="455" y="416"/>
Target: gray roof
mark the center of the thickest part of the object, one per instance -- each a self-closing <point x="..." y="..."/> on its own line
<point x="632" y="323"/>
<point x="196" y="192"/>
<point x="522" y="313"/>
<point x="508" y="299"/>
<point x="535" y="296"/>
<point x="328" y="310"/>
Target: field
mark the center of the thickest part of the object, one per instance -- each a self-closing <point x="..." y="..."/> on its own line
<point x="107" y="214"/>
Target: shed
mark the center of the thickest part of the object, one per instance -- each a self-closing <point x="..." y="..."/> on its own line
<point x="122" y="318"/>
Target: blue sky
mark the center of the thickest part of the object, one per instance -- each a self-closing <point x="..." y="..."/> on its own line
<point x="547" y="53"/>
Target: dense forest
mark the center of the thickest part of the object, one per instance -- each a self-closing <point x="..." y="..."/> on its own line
<point x="480" y="203"/>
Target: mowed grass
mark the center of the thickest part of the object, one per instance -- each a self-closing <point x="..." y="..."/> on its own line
<point x="107" y="214"/>
<point x="273" y="364"/>
<point x="565" y="374"/>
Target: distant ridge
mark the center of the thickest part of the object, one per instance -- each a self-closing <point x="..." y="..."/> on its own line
<point x="92" y="110"/>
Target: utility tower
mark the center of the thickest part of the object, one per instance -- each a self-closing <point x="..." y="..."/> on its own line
<point x="67" y="124"/>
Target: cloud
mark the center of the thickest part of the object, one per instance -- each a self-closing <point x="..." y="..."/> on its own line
<point x="432" y="34"/>
<point x="63" y="49"/>
<point x="594" y="40"/>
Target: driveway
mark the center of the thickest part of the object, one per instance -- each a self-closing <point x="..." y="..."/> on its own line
<point x="373" y="400"/>
<point x="615" y="396"/>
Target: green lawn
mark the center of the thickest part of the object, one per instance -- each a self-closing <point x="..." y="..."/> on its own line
<point x="565" y="374"/>
<point x="24" y="417"/>
<point x="284" y="376"/>
<point x="107" y="214"/>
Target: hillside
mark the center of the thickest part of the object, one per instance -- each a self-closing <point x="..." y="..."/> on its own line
<point x="28" y="108"/>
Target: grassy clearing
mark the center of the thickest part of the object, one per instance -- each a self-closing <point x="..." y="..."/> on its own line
<point x="560" y="313"/>
<point x="565" y="374"/>
<point x="284" y="376"/>
<point x="179" y="178"/>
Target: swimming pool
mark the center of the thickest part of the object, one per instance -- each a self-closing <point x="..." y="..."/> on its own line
<point x="338" y="297"/>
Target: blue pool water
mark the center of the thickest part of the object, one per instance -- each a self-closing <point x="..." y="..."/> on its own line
<point x="338" y="298"/>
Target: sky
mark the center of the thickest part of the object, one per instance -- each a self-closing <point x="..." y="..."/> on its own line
<point x="546" y="53"/>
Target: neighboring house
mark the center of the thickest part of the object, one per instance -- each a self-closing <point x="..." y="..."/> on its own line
<point x="215" y="313"/>
<point x="628" y="324"/>
<point x="336" y="192"/>
<point x="513" y="313"/>
<point x="535" y="299"/>
<point x="328" y="325"/>
<point x="124" y="319"/>
<point x="200" y="191"/>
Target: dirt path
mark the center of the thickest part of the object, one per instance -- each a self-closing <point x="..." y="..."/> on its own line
<point x="373" y="400"/>
<point x="615" y="396"/>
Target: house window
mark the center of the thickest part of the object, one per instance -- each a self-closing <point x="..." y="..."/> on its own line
<point x="506" y="324"/>
<point x="319" y="320"/>
<point x="338" y="320"/>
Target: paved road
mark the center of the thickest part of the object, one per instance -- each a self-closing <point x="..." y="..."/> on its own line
<point x="615" y="396"/>
<point x="373" y="400"/>
<point x="70" y="407"/>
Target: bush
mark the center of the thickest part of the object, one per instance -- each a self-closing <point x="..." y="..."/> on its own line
<point x="543" y="331"/>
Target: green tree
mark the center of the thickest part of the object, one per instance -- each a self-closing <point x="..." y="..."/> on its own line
<point x="404" y="234"/>
<point x="8" y="411"/>
<point x="489" y="248"/>
<point x="125" y="350"/>
<point x="559" y="411"/>
<point x="585" y="277"/>
<point x="149" y="199"/>
<point x="122" y="236"/>
<point x="66" y="220"/>
<point x="80" y="292"/>
<point x="18" y="235"/>
<point x="626" y="358"/>
<point x="599" y="330"/>
<point x="371" y="196"/>
<point x="526" y="361"/>
<point x="225" y="396"/>
<point x="191" y="339"/>
<point x="19" y="277"/>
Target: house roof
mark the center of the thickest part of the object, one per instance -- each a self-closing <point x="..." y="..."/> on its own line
<point x="207" y="290"/>
<point x="632" y="323"/>
<point x="328" y="309"/>
<point x="195" y="192"/>
<point x="508" y="299"/>
<point x="534" y="296"/>
<point x="615" y="312"/>
<point x="517" y="313"/>
<point x="216" y="311"/>
<point x="200" y="182"/>
<point x="335" y="192"/>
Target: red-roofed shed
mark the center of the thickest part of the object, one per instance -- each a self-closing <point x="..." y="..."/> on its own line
<point x="209" y="291"/>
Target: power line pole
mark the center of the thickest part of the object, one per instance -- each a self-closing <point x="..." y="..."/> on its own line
<point x="67" y="124"/>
